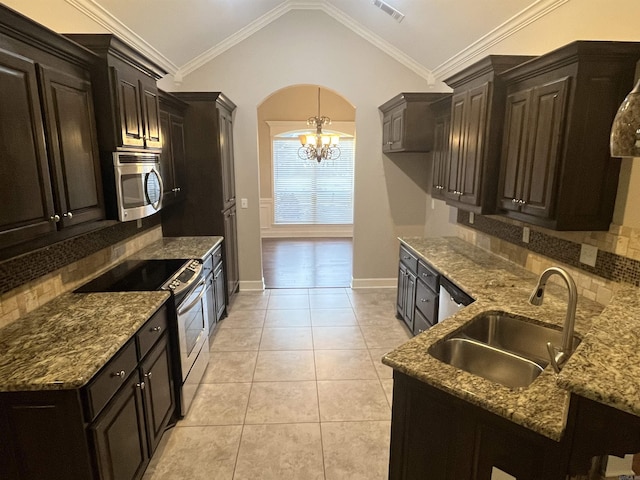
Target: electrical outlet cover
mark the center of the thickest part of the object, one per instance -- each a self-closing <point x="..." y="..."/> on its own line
<point x="526" y="232"/>
<point x="588" y="254"/>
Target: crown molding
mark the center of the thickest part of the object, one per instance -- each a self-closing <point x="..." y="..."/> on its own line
<point x="321" y="5"/>
<point x="516" y="23"/>
<point x="106" y="20"/>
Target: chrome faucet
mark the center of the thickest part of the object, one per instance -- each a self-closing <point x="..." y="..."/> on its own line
<point x="559" y="356"/>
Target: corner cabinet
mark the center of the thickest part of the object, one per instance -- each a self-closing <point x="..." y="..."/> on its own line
<point x="173" y="158"/>
<point x="50" y="166"/>
<point x="108" y="429"/>
<point x="556" y="170"/>
<point x="210" y="204"/>
<point x="475" y="137"/>
<point x="127" y="99"/>
<point x="407" y="123"/>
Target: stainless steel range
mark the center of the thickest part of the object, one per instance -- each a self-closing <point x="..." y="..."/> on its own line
<point x="185" y="279"/>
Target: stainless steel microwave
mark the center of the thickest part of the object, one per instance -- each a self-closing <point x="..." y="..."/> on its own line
<point x="138" y="184"/>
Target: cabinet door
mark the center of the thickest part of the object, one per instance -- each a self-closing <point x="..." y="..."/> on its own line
<point x="218" y="284"/>
<point x="151" y="113"/>
<point x="159" y="398"/>
<point x="226" y="158"/>
<point x="456" y="145"/>
<point x="231" y="251"/>
<point x="129" y="106"/>
<point x="73" y="147"/>
<point x="440" y="155"/>
<point x="119" y="435"/>
<point x="26" y="200"/>
<point x="402" y="290"/>
<point x="470" y="170"/>
<point x="166" y="160"/>
<point x="548" y="106"/>
<point x="514" y="149"/>
<point x="397" y="129"/>
<point x="410" y="299"/>
<point x="178" y="155"/>
<point x="386" y="133"/>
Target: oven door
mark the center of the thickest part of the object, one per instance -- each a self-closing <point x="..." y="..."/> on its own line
<point x="193" y="326"/>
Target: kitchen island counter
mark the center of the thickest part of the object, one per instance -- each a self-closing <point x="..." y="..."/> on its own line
<point x="495" y="284"/>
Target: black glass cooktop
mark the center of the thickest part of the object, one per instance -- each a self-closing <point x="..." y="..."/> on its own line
<point x="134" y="276"/>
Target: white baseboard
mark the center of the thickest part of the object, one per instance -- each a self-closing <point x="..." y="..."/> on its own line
<point x="374" y="282"/>
<point x="251" y="285"/>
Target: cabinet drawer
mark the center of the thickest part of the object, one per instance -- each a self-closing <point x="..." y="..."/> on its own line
<point x="151" y="331"/>
<point x="428" y="275"/>
<point x="420" y="323"/>
<point x="107" y="382"/>
<point x="409" y="259"/>
<point x="426" y="302"/>
<point x="217" y="256"/>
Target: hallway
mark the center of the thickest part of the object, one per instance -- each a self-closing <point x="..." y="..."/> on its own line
<point x="294" y="390"/>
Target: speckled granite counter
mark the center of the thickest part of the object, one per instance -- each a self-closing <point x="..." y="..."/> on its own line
<point x="495" y="284"/>
<point x="180" y="247"/>
<point x="64" y="343"/>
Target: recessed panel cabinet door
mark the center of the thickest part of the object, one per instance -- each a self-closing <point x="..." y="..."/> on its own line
<point x="514" y="149"/>
<point x="151" y="112"/>
<point x="128" y="96"/>
<point x="456" y="150"/>
<point x="26" y="201"/>
<point x="227" y="161"/>
<point x="548" y="112"/>
<point x="470" y="174"/>
<point x="73" y="147"/>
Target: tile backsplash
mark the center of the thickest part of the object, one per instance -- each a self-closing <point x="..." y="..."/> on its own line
<point x="86" y="257"/>
<point x="618" y="256"/>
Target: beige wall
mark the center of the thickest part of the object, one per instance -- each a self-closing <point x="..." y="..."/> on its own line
<point x="298" y="102"/>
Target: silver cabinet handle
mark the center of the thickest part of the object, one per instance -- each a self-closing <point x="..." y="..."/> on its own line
<point x="521" y="202"/>
<point x="147" y="375"/>
<point x="120" y="374"/>
<point x="389" y="143"/>
<point x="68" y="215"/>
<point x="140" y="385"/>
<point x="55" y="218"/>
<point x="156" y="329"/>
<point x="424" y="300"/>
<point x="513" y="200"/>
<point x="426" y="274"/>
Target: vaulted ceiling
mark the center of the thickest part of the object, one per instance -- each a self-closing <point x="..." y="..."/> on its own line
<point x="181" y="35"/>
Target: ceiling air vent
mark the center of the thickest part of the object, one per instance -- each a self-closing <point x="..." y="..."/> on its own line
<point x="389" y="10"/>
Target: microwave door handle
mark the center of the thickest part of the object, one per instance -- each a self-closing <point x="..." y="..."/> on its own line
<point x="195" y="302"/>
<point x="159" y="177"/>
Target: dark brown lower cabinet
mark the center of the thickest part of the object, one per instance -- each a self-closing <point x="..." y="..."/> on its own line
<point x="435" y="435"/>
<point x="74" y="435"/>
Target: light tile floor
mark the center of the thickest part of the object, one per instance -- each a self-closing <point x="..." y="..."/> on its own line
<point x="294" y="390"/>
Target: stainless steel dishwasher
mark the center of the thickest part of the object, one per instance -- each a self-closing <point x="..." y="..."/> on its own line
<point x="451" y="299"/>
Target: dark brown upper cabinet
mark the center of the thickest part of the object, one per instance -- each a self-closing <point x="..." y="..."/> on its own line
<point x="556" y="170"/>
<point x="407" y="122"/>
<point x="441" y="111"/>
<point x="49" y="167"/>
<point x="126" y="97"/>
<point x="477" y="108"/>
<point x="173" y="158"/>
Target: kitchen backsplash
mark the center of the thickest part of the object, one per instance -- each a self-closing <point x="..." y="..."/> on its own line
<point x="618" y="258"/>
<point x="31" y="280"/>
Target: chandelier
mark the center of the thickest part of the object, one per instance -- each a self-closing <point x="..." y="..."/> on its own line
<point x="319" y="146"/>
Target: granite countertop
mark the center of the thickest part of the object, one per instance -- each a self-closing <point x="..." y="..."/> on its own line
<point x="179" y="247"/>
<point x="496" y="284"/>
<point x="64" y="343"/>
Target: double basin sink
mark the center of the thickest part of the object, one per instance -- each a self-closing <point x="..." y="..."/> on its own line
<point x="501" y="347"/>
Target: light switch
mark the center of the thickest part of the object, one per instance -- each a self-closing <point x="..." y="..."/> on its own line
<point x="588" y="254"/>
<point x="244" y="203"/>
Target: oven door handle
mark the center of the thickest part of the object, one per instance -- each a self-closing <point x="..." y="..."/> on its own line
<point x="193" y="304"/>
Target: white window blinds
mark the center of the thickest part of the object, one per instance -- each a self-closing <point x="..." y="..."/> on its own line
<point x="308" y="192"/>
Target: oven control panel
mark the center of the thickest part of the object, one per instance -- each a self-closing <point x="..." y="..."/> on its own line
<point x="184" y="277"/>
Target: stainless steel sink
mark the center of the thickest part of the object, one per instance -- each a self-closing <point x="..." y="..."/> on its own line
<point x="501" y="347"/>
<point x="488" y="362"/>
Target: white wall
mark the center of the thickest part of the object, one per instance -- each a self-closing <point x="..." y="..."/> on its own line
<point x="58" y="15"/>
<point x="277" y="56"/>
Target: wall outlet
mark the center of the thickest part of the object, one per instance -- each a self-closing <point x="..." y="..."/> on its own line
<point x="139" y="223"/>
<point x="472" y="218"/>
<point x="244" y="203"/>
<point x="526" y="231"/>
<point x="588" y="254"/>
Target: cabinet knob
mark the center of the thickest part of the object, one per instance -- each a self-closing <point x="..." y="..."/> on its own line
<point x="156" y="329"/>
<point x="420" y="330"/>
<point x="148" y="375"/>
<point x="55" y="218"/>
<point x="424" y="274"/>
<point x="514" y="201"/>
<point x="521" y="202"/>
<point x="140" y="385"/>
<point x="120" y="374"/>
<point x="424" y="300"/>
<point x="389" y="143"/>
<point x="68" y="215"/>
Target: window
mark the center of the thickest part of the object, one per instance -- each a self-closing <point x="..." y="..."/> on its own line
<point x="308" y="192"/>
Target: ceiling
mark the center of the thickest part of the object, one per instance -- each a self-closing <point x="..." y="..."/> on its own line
<point x="181" y="35"/>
